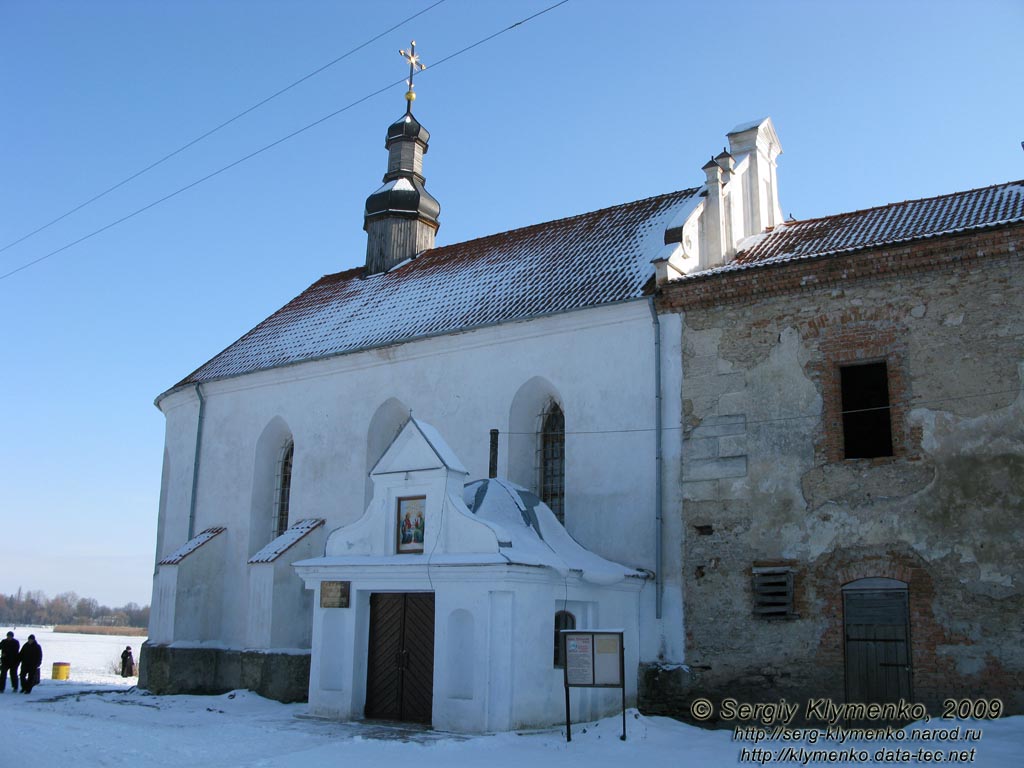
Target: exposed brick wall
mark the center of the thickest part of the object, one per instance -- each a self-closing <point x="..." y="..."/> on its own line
<point x="913" y="258"/>
<point x="855" y="337"/>
<point x="764" y="479"/>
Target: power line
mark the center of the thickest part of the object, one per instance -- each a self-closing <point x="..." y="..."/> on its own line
<point x="197" y="182"/>
<point x="912" y="403"/>
<point x="213" y="130"/>
<point x="271" y="145"/>
<point x="519" y="23"/>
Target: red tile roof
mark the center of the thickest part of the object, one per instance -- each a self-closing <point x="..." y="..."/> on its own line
<point x="588" y="260"/>
<point x="885" y="225"/>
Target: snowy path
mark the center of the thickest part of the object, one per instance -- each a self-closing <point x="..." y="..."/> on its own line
<point x="61" y="724"/>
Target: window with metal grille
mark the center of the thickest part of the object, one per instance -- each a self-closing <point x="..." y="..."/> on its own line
<point x="552" y="461"/>
<point x="563" y="620"/>
<point x="773" y="592"/>
<point x="867" y="427"/>
<point x="284" y="489"/>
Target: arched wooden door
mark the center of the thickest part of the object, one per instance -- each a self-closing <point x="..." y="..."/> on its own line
<point x="877" y="641"/>
<point x="400" y="661"/>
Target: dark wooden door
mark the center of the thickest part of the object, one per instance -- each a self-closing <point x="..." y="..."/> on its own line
<point x="400" y="662"/>
<point x="877" y="645"/>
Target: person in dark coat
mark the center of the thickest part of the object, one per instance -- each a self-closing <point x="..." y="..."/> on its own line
<point x="31" y="660"/>
<point x="127" y="662"/>
<point x="9" y="659"/>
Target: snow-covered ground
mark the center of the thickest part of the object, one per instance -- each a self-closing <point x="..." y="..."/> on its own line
<point x="92" y="657"/>
<point x="99" y="719"/>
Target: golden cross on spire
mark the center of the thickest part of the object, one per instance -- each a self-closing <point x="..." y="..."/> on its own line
<point x="414" y="65"/>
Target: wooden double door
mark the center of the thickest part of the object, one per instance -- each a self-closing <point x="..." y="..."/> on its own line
<point x="400" y="660"/>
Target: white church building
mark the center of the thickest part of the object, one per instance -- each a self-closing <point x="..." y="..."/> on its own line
<point x="389" y="496"/>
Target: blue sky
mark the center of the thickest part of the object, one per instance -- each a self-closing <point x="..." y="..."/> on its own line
<point x="593" y="104"/>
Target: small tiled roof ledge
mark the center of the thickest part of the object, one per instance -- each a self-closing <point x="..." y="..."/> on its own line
<point x="192" y="545"/>
<point x="286" y="541"/>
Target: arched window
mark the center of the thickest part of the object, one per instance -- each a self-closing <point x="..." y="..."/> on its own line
<point x="284" y="489"/>
<point x="552" y="461"/>
<point x="563" y="620"/>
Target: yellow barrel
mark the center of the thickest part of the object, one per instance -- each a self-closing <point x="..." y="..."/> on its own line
<point x="61" y="670"/>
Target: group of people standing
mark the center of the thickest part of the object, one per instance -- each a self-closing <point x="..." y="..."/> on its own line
<point x="29" y="657"/>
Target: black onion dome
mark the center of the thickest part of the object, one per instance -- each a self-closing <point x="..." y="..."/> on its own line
<point x="407" y="127"/>
<point x="403" y="196"/>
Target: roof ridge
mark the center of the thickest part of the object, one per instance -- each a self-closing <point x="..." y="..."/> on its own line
<point x="903" y="202"/>
<point x="537" y="225"/>
<point x="354" y="272"/>
<point x="342" y="275"/>
<point x="347" y="274"/>
<point x="503" y="277"/>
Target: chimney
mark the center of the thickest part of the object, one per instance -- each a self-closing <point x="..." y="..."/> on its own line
<point x="492" y="464"/>
<point x="401" y="217"/>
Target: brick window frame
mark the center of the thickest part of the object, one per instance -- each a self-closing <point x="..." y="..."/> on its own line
<point x="857" y="344"/>
<point x="867" y="421"/>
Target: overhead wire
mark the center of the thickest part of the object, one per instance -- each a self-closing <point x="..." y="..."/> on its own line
<point x="216" y="128"/>
<point x="912" y="403"/>
<point x="275" y="143"/>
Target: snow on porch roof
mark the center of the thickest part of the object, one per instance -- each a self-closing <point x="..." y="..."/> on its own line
<point x="595" y="258"/>
<point x="530" y="534"/>
<point x="432" y="437"/>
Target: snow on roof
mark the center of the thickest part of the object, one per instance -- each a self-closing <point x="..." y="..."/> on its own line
<point x="746" y="126"/>
<point x="441" y="448"/>
<point x="191" y="546"/>
<point x="583" y="261"/>
<point x="881" y="226"/>
<point x="286" y="541"/>
<point x="530" y="534"/>
<point x="401" y="184"/>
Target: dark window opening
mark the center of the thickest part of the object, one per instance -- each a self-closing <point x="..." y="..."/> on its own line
<point x="563" y="620"/>
<point x="284" y="490"/>
<point x="867" y="428"/>
<point x="552" y="463"/>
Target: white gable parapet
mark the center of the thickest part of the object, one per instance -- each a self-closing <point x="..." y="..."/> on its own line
<point x="739" y="199"/>
<point x="758" y="144"/>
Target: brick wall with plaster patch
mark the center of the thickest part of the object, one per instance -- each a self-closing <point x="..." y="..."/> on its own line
<point x="765" y="481"/>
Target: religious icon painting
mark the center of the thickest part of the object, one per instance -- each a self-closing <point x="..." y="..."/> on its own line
<point x="411" y="524"/>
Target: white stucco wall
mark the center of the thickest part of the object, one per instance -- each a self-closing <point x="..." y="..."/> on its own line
<point x="600" y="363"/>
<point x="504" y="677"/>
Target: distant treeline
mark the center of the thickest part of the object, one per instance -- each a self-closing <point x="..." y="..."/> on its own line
<point x="34" y="607"/>
<point x="92" y="629"/>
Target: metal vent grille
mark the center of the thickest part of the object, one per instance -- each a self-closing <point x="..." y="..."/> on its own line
<point x="773" y="592"/>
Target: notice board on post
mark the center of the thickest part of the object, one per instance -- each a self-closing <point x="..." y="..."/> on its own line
<point x="594" y="658"/>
